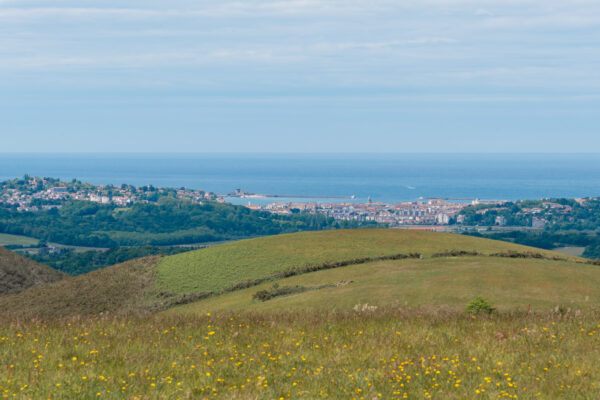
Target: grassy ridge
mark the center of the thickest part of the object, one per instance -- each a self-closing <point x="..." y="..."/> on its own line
<point x="18" y="273"/>
<point x="382" y="354"/>
<point x="219" y="267"/>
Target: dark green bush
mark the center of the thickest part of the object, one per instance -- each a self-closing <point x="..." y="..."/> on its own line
<point x="480" y="306"/>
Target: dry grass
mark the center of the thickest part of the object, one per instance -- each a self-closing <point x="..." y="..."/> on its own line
<point x="123" y="288"/>
<point x="18" y="273"/>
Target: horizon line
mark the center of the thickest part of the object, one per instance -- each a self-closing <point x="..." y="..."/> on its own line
<point x="8" y="153"/>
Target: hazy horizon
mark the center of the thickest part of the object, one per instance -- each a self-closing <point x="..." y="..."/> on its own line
<point x="302" y="153"/>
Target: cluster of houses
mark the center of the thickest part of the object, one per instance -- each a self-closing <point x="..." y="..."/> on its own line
<point x="39" y="194"/>
<point x="431" y="212"/>
<point x="538" y="220"/>
<point x="40" y="200"/>
<point x="539" y="214"/>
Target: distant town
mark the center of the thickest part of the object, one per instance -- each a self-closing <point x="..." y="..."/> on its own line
<point x="34" y="194"/>
<point x="428" y="212"/>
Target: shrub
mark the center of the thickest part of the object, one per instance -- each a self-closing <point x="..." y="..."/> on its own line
<point x="480" y="305"/>
<point x="262" y="295"/>
<point x="516" y="254"/>
<point x="455" y="253"/>
<point x="276" y="290"/>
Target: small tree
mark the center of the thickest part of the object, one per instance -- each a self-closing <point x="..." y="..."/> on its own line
<point x="480" y="305"/>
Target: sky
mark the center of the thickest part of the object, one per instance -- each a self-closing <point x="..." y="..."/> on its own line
<point x="299" y="76"/>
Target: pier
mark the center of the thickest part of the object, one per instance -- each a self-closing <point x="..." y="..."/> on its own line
<point x="289" y="196"/>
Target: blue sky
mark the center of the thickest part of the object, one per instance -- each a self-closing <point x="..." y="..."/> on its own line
<point x="300" y="76"/>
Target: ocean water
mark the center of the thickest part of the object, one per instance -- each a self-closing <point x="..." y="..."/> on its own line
<point x="383" y="177"/>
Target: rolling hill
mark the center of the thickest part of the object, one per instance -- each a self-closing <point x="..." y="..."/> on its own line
<point x="450" y="283"/>
<point x="18" y="273"/>
<point x="221" y="267"/>
<point x="333" y="270"/>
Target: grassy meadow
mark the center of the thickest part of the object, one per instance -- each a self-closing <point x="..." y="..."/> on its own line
<point x="385" y="353"/>
<point x="218" y="267"/>
<point x="451" y="282"/>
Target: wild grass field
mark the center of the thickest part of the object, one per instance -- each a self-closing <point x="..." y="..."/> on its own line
<point x="387" y="353"/>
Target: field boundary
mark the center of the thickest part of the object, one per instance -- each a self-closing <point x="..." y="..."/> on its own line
<point x="513" y="254"/>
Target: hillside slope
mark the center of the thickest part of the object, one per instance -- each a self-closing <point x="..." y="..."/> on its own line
<point x="18" y="273"/>
<point x="157" y="283"/>
<point x="122" y="288"/>
<point x="431" y="283"/>
<point x="220" y="267"/>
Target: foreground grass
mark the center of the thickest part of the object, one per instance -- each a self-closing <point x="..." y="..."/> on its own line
<point x="219" y="267"/>
<point x="391" y="353"/>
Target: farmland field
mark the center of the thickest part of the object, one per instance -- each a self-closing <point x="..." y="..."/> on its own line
<point x="17" y="240"/>
<point x="571" y="250"/>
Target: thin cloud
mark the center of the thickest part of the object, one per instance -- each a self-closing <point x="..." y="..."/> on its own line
<point x="170" y="59"/>
<point x="559" y="20"/>
<point x="37" y="13"/>
<point x="484" y="12"/>
<point x="383" y="45"/>
<point x="227" y="9"/>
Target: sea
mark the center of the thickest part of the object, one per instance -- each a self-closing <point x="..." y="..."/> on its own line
<point x="386" y="178"/>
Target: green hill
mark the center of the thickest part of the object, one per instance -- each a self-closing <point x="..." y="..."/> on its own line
<point x="221" y="267"/>
<point x="452" y="282"/>
<point x="18" y="273"/>
<point x="382" y="264"/>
